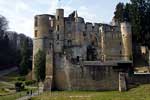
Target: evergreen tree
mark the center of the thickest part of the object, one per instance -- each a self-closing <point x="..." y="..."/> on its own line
<point x="5" y="57"/>
<point x="39" y="65"/>
<point x="138" y="14"/>
<point x="25" y="58"/>
<point x="119" y="12"/>
<point x="10" y="55"/>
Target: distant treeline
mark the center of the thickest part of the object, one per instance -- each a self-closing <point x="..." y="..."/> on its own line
<point x="13" y="46"/>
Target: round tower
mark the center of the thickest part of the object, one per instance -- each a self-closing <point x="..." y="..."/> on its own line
<point x="59" y="31"/>
<point x="41" y="26"/>
<point x="103" y="53"/>
<point x="126" y="40"/>
<point x="41" y="32"/>
<point x="41" y="35"/>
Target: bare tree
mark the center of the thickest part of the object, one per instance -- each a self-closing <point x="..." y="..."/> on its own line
<point x="3" y="23"/>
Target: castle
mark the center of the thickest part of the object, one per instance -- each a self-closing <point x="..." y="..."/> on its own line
<point x="81" y="55"/>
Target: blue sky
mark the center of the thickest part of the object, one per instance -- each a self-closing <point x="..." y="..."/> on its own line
<point x="20" y="13"/>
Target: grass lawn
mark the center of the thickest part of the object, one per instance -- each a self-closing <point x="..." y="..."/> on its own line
<point x="7" y="82"/>
<point x="3" y="92"/>
<point x="140" y="93"/>
<point x="13" y="96"/>
<point x="11" y="77"/>
<point x="3" y="85"/>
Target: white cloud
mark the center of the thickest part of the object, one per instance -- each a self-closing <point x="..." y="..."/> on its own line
<point x="52" y="7"/>
<point x="14" y="11"/>
<point x="20" y="13"/>
<point x="87" y="14"/>
<point x="21" y="6"/>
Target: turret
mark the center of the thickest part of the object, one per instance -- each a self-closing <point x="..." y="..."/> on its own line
<point x="41" y="26"/>
<point x="126" y="41"/>
<point x="59" y="31"/>
<point x="77" y="30"/>
<point x="102" y="32"/>
<point x="42" y="35"/>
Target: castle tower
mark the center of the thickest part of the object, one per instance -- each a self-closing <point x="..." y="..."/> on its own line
<point x="126" y="41"/>
<point x="59" y="31"/>
<point x="77" y="33"/>
<point x="78" y="38"/>
<point x="48" y="84"/>
<point x="58" y="44"/>
<point x="42" y="35"/>
<point x="102" y="32"/>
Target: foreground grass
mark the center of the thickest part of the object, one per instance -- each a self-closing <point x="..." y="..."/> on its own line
<point x="8" y="82"/>
<point x="13" y="96"/>
<point x="3" y="92"/>
<point x="139" y="93"/>
<point x="11" y="77"/>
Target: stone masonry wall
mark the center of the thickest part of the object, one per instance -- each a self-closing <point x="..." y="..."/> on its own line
<point x="139" y="79"/>
<point x="85" y="78"/>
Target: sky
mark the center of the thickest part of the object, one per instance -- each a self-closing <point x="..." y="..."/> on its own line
<point x="20" y="13"/>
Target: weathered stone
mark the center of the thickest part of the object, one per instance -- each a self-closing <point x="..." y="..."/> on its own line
<point x="122" y="82"/>
<point x="69" y="42"/>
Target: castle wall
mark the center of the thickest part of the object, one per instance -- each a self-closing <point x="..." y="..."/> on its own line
<point x="86" y="78"/>
<point x="68" y="41"/>
<point x="94" y="78"/>
<point x="111" y="43"/>
<point x="77" y="30"/>
<point x="88" y="30"/>
<point x="68" y="33"/>
<point x="138" y="79"/>
<point x="49" y="79"/>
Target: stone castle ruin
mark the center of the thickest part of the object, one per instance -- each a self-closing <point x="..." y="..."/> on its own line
<point x="81" y="55"/>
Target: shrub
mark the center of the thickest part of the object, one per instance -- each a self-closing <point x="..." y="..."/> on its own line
<point x="19" y="86"/>
<point x="39" y="63"/>
<point x="30" y="82"/>
<point x="21" y="78"/>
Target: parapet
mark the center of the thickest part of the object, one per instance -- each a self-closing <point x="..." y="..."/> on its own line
<point x="59" y="13"/>
<point x="80" y="20"/>
<point x="42" y="25"/>
<point x="88" y="26"/>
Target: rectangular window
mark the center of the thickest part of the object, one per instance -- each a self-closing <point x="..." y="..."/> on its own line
<point x="57" y="36"/>
<point x="57" y="27"/>
<point x="50" y="31"/>
<point x="78" y="58"/>
<point x="36" y="22"/>
<point x="84" y="34"/>
<point x="85" y="27"/>
<point x="92" y="27"/>
<point x="69" y="42"/>
<point x="57" y="17"/>
<point x="120" y="43"/>
<point x="35" y="34"/>
<point x="120" y="52"/>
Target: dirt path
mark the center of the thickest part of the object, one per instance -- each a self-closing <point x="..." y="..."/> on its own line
<point x="27" y="97"/>
<point x="7" y="71"/>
